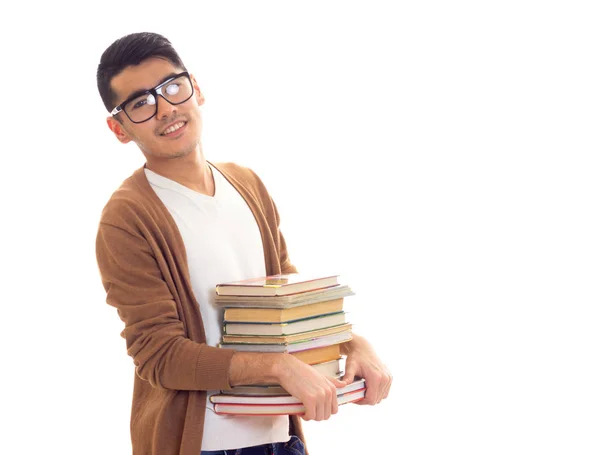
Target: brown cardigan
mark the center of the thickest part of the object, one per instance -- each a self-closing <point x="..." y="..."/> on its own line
<point x="144" y="270"/>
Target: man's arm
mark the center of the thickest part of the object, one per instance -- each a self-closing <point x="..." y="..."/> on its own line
<point x="154" y="332"/>
<point x="316" y="392"/>
<point x="362" y="361"/>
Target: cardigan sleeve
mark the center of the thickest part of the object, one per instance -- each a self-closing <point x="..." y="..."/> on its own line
<point x="155" y="335"/>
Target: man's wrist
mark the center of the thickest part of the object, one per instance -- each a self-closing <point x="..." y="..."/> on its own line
<point x="255" y="368"/>
<point x="276" y="367"/>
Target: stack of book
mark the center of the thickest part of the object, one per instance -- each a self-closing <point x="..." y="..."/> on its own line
<point x="294" y="313"/>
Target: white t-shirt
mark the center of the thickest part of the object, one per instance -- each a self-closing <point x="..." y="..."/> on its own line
<point x="222" y="243"/>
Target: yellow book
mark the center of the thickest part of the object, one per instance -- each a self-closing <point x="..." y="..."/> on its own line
<point x="319" y="355"/>
<point x="280" y="339"/>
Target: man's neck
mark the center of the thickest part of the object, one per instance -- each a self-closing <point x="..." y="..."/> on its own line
<point x="191" y="171"/>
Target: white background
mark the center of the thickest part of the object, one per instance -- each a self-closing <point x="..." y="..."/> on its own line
<point x="442" y="156"/>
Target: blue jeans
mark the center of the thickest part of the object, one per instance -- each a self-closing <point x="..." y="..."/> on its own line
<point x="293" y="447"/>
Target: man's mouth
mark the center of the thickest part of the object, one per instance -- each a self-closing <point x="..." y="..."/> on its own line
<point x="173" y="128"/>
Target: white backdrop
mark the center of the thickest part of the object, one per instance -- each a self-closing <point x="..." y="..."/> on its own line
<point x="442" y="156"/>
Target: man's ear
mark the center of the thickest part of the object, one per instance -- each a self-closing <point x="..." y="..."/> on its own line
<point x="197" y="92"/>
<point x="118" y="130"/>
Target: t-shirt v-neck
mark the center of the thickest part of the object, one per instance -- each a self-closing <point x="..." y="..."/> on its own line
<point x="157" y="180"/>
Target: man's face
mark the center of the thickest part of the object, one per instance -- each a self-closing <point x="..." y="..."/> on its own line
<point x="156" y="137"/>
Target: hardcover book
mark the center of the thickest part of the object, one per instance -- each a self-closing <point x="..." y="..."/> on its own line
<point x="283" y="339"/>
<point x="285" y="328"/>
<point x="274" y="285"/>
<point x="319" y="355"/>
<point x="327" y="340"/>
<point x="282" y="314"/>
<point x="279" y="405"/>
<point x="285" y="301"/>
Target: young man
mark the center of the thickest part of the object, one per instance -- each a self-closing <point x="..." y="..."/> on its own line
<point x="167" y="236"/>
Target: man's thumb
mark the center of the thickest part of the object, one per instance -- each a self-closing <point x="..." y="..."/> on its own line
<point x="338" y="382"/>
<point x="349" y="374"/>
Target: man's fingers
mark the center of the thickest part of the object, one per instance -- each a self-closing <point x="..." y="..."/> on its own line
<point x="378" y="388"/>
<point x="374" y="389"/>
<point x="383" y="384"/>
<point x="334" y="405"/>
<point x="338" y="383"/>
<point x="319" y="412"/>
<point x="322" y="403"/>
<point x="333" y="408"/>
<point x="349" y="374"/>
<point x="386" y="384"/>
<point x="329" y="400"/>
<point x="310" y="410"/>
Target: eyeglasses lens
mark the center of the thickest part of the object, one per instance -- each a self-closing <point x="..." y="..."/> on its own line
<point x="144" y="106"/>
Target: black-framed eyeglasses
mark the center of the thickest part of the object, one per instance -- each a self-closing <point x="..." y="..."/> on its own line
<point x="143" y="105"/>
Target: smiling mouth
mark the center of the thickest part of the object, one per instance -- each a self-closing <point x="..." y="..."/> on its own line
<point x="173" y="128"/>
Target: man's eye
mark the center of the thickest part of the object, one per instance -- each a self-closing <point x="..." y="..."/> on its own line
<point x="172" y="89"/>
<point x="145" y="101"/>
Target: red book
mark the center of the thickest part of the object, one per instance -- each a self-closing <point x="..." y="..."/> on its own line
<point x="279" y="405"/>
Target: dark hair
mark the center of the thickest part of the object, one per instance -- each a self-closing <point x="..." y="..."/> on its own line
<point x="131" y="50"/>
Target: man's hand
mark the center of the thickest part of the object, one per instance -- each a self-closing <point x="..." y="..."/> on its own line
<point x="364" y="363"/>
<point x="317" y="392"/>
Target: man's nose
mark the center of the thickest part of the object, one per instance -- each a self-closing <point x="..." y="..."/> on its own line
<point x="164" y="109"/>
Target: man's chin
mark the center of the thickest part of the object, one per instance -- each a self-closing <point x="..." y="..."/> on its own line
<point x="172" y="155"/>
<point x="176" y="155"/>
<point x="162" y="152"/>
